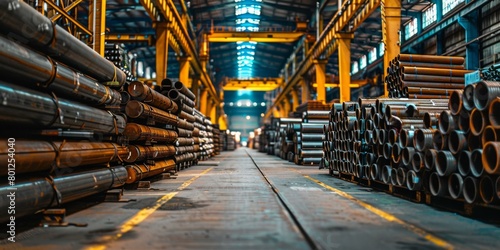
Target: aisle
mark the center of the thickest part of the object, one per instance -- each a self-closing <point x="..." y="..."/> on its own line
<point x="227" y="203"/>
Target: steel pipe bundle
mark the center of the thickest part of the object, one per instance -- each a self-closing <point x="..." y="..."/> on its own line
<point x="138" y="132"/>
<point x="424" y="76"/>
<point x="40" y="33"/>
<point x="136" y="109"/>
<point x="21" y="64"/>
<point x="139" y="172"/>
<point x="30" y="108"/>
<point x="142" y="92"/>
<point x="140" y="153"/>
<point x="37" y="194"/>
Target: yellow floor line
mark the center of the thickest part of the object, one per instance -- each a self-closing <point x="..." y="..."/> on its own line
<point x="142" y="215"/>
<point x="387" y="216"/>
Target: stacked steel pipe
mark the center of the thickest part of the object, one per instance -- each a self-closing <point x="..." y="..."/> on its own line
<point x="308" y="142"/>
<point x="424" y="76"/>
<point x="58" y="137"/>
<point x="117" y="55"/>
<point x="217" y="140"/>
<point x="286" y="131"/>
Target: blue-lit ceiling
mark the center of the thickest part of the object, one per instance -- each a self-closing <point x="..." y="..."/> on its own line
<point x="247" y="19"/>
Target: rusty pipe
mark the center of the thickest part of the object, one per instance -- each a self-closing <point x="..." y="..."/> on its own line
<point x="178" y="97"/>
<point x="478" y="122"/>
<point x="471" y="189"/>
<point x="136" y="109"/>
<point x="141" y="92"/>
<point x="139" y="172"/>
<point x="140" y="153"/>
<point x="456" y="102"/>
<point x="438" y="185"/>
<point x="431" y="119"/>
<point x="447" y="122"/>
<point x="184" y="90"/>
<point x="455" y="185"/>
<point x="434" y="71"/>
<point x="447" y="60"/>
<point x="484" y="93"/>
<point x="426" y="91"/>
<point x="400" y="64"/>
<point x="21" y="21"/>
<point x="491" y="157"/>
<point x="40" y="193"/>
<point x="431" y="78"/>
<point x="494" y="113"/>
<point x="38" y="156"/>
<point x="487" y="189"/>
<point x="490" y="133"/>
<point x="44" y="110"/>
<point x="137" y="132"/>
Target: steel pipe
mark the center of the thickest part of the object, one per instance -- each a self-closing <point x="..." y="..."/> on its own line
<point x="491" y="157"/>
<point x="431" y="119"/>
<point x="478" y="122"/>
<point x="430" y="159"/>
<point x="41" y="193"/>
<point x="413" y="181"/>
<point x="140" y="153"/>
<point x="136" y="109"/>
<point x="139" y="172"/>
<point x="137" y="132"/>
<point x="471" y="190"/>
<point x="184" y="90"/>
<point x="179" y="98"/>
<point x="464" y="122"/>
<point x="39" y="32"/>
<point x="445" y="60"/>
<point x="456" y="102"/>
<point x="316" y="114"/>
<point x="494" y="113"/>
<point x="418" y="162"/>
<point x="142" y="92"/>
<point x="401" y="177"/>
<point x="487" y="190"/>
<point x="423" y="139"/>
<point x="447" y="122"/>
<point x="477" y="168"/>
<point x="468" y="97"/>
<point x="406" y="137"/>
<point x="22" y="65"/>
<point x="457" y="141"/>
<point x="43" y="110"/>
<point x="446" y="164"/>
<point x="431" y="78"/>
<point x="439" y="140"/>
<point x="464" y="163"/>
<point x="438" y="185"/>
<point x="407" y="155"/>
<point x="311" y="137"/>
<point x="455" y="185"/>
<point x="484" y="93"/>
<point x="386" y="174"/>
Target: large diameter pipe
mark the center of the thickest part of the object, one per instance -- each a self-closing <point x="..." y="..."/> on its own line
<point x="494" y="113"/>
<point x="456" y="102"/>
<point x="447" y="122"/>
<point x="471" y="189"/>
<point x="455" y="185"/>
<point x="35" y="156"/>
<point x="484" y="93"/>
<point x="491" y="157"/>
<point x="446" y="164"/>
<point x="21" y="64"/>
<point x="487" y="189"/>
<point x="477" y="167"/>
<point x="26" y="107"/>
<point x="41" y="193"/>
<point x="137" y="132"/>
<point x="490" y="133"/>
<point x="413" y="181"/>
<point x="464" y="122"/>
<point x="136" y="109"/>
<point x="418" y="162"/>
<point x="478" y="121"/>
<point x="430" y="159"/>
<point x="447" y="60"/>
<point x="21" y="21"/>
<point x="468" y="97"/>
<point x="139" y="172"/>
<point x="439" y="140"/>
<point x="142" y="92"/>
<point x="141" y="153"/>
<point x="423" y="139"/>
<point x="438" y="185"/>
<point x="457" y="141"/>
<point x="464" y="163"/>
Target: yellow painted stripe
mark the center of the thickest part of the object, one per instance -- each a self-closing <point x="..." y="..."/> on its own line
<point x="387" y="216"/>
<point x="142" y="215"/>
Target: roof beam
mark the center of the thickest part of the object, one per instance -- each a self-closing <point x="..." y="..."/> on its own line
<point x="261" y="37"/>
<point x="255" y="84"/>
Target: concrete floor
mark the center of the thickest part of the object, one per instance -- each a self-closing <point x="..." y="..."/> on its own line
<point x="231" y="205"/>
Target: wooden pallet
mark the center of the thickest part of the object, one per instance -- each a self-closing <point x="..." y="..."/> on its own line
<point x="479" y="210"/>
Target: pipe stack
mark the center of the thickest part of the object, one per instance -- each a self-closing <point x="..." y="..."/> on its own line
<point x="118" y="56"/>
<point x="59" y="135"/>
<point x="308" y="142"/>
<point x="491" y="73"/>
<point x="424" y="76"/>
<point x="286" y="130"/>
<point x="217" y="140"/>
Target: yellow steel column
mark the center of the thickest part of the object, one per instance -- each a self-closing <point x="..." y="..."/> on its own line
<point x="97" y="20"/>
<point x="195" y="88"/>
<point x="213" y="114"/>
<point x="276" y="113"/>
<point x="162" y="32"/>
<point x="344" y="40"/>
<point x="204" y="53"/>
<point x="184" y="71"/>
<point x="286" y="107"/>
<point x="390" y="11"/>
<point x="305" y="90"/>
<point x="222" y="122"/>
<point x="204" y="101"/>
<point x="295" y="99"/>
<point x="209" y="107"/>
<point x="319" y="66"/>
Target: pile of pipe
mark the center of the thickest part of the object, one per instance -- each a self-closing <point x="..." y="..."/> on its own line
<point x="308" y="140"/>
<point x="229" y="141"/>
<point x="263" y="135"/>
<point x="424" y="76"/>
<point x="271" y="134"/>
<point x="491" y="73"/>
<point x="118" y="56"/>
<point x="217" y="140"/>
<point x="59" y="141"/>
<point x="286" y="128"/>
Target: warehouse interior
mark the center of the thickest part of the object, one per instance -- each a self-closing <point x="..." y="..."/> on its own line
<point x="246" y="124"/>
